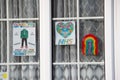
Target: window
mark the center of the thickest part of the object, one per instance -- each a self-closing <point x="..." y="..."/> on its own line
<point x="19" y="13"/>
<point x="70" y="61"/>
<point x="45" y="64"/>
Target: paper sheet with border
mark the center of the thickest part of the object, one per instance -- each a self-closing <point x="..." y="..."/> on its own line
<point x="24" y="39"/>
<point x="65" y="33"/>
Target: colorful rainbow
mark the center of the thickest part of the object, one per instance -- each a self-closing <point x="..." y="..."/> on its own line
<point x="90" y="45"/>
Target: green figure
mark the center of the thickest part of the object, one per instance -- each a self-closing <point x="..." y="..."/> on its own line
<point x="24" y="36"/>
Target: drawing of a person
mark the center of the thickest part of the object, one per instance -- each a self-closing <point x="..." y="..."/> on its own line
<point x="24" y="37"/>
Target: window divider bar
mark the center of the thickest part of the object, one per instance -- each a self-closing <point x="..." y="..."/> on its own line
<point x="78" y="47"/>
<point x="8" y="38"/>
<point x="20" y="19"/>
<point x="23" y="63"/>
<point x="75" y="18"/>
<point x="77" y="63"/>
<point x="3" y="20"/>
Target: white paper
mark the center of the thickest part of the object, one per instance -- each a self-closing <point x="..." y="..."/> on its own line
<point x="24" y="39"/>
<point x="65" y="33"/>
<point x="3" y="76"/>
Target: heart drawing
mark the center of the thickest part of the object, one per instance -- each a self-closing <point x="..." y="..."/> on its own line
<point x="65" y="28"/>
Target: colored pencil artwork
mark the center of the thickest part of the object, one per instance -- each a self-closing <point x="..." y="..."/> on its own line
<point x="90" y="45"/>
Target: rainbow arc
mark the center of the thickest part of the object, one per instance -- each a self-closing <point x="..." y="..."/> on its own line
<point x="90" y="45"/>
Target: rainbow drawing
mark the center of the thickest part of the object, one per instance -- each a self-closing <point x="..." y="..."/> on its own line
<point x="90" y="45"/>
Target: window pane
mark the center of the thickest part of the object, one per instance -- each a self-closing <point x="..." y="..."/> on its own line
<point x="65" y="72"/>
<point x="3" y="72"/>
<point x="92" y="72"/>
<point x="23" y="8"/>
<point x="3" y="42"/>
<point x="24" y="72"/>
<point x="91" y="8"/>
<point x="2" y="9"/>
<point x="64" y="8"/>
<point x="95" y="27"/>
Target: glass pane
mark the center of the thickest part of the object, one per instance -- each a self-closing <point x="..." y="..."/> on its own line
<point x="65" y="72"/>
<point x="95" y="27"/>
<point x="34" y="58"/>
<point x="3" y="68"/>
<point x="23" y="8"/>
<point x="24" y="72"/>
<point x="63" y="53"/>
<point x="3" y="73"/>
<point x="2" y="8"/>
<point x="64" y="8"/>
<point x="88" y="50"/>
<point x="92" y="72"/>
<point x="91" y="8"/>
<point x="3" y="42"/>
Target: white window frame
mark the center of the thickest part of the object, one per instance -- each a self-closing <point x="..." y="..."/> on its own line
<point x="45" y="40"/>
<point x="117" y="38"/>
<point x="46" y="43"/>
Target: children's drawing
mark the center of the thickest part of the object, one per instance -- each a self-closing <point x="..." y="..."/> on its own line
<point x="65" y="33"/>
<point x="24" y="39"/>
<point x="90" y="45"/>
